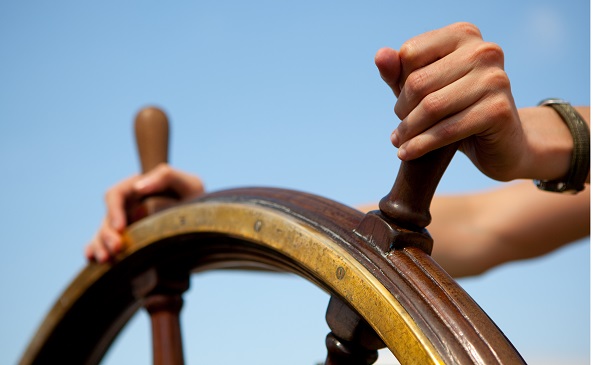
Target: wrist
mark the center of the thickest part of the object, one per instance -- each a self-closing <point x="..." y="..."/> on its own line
<point x="549" y="144"/>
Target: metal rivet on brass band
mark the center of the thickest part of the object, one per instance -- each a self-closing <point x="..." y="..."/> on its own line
<point x="257" y="226"/>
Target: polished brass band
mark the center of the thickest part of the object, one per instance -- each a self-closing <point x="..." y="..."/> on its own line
<point x="313" y="250"/>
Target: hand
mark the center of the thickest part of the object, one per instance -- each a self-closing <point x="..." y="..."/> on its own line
<point x="451" y="86"/>
<point x="108" y="242"/>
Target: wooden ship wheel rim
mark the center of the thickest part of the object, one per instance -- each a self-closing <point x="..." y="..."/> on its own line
<point x="385" y="288"/>
<point x="418" y="311"/>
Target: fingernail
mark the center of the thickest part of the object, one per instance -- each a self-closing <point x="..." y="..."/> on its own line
<point x="402" y="154"/>
<point x="394" y="138"/>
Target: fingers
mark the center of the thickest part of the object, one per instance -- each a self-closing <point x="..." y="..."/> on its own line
<point x="105" y="245"/>
<point x="396" y="66"/>
<point x="115" y="200"/>
<point x="476" y="87"/>
<point x="428" y="47"/>
<point x="451" y="129"/>
<point x="435" y="76"/>
<point x="108" y="241"/>
<point x="486" y="128"/>
<point x="164" y="177"/>
<point x="439" y="76"/>
<point x="428" y="98"/>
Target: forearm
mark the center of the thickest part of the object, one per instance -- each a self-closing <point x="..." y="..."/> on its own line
<point x="474" y="233"/>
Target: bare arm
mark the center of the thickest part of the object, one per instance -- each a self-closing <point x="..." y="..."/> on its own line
<point x="477" y="232"/>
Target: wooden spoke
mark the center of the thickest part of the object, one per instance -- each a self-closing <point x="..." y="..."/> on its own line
<point x="351" y="340"/>
<point x="161" y="294"/>
<point x="340" y="352"/>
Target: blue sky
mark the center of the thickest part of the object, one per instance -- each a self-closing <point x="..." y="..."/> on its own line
<point x="265" y="93"/>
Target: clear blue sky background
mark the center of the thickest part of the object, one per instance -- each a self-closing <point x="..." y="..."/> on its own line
<point x="270" y="93"/>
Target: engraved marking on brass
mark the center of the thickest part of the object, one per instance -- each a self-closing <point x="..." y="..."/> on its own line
<point x="340" y="273"/>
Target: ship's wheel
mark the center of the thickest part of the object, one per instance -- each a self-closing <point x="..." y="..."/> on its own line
<point x="386" y="290"/>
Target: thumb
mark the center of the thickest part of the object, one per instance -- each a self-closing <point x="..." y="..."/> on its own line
<point x="388" y="62"/>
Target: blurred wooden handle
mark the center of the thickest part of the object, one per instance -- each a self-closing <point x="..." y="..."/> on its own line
<point x="152" y="137"/>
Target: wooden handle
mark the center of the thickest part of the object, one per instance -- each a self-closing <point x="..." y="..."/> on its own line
<point x="152" y="136"/>
<point x="407" y="204"/>
<point x="404" y="213"/>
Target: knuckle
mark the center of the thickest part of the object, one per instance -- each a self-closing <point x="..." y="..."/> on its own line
<point x="408" y="51"/>
<point x="500" y="108"/>
<point x="416" y="84"/>
<point x="400" y="111"/>
<point x="433" y="105"/>
<point x="466" y="28"/>
<point x="489" y="53"/>
<point x="163" y="172"/>
<point x="448" y="130"/>
<point x="497" y="80"/>
<point x="120" y="189"/>
<point x="163" y="169"/>
<point x="504" y="108"/>
<point x="403" y="130"/>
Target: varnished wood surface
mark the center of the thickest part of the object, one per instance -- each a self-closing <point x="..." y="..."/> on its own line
<point x="407" y="203"/>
